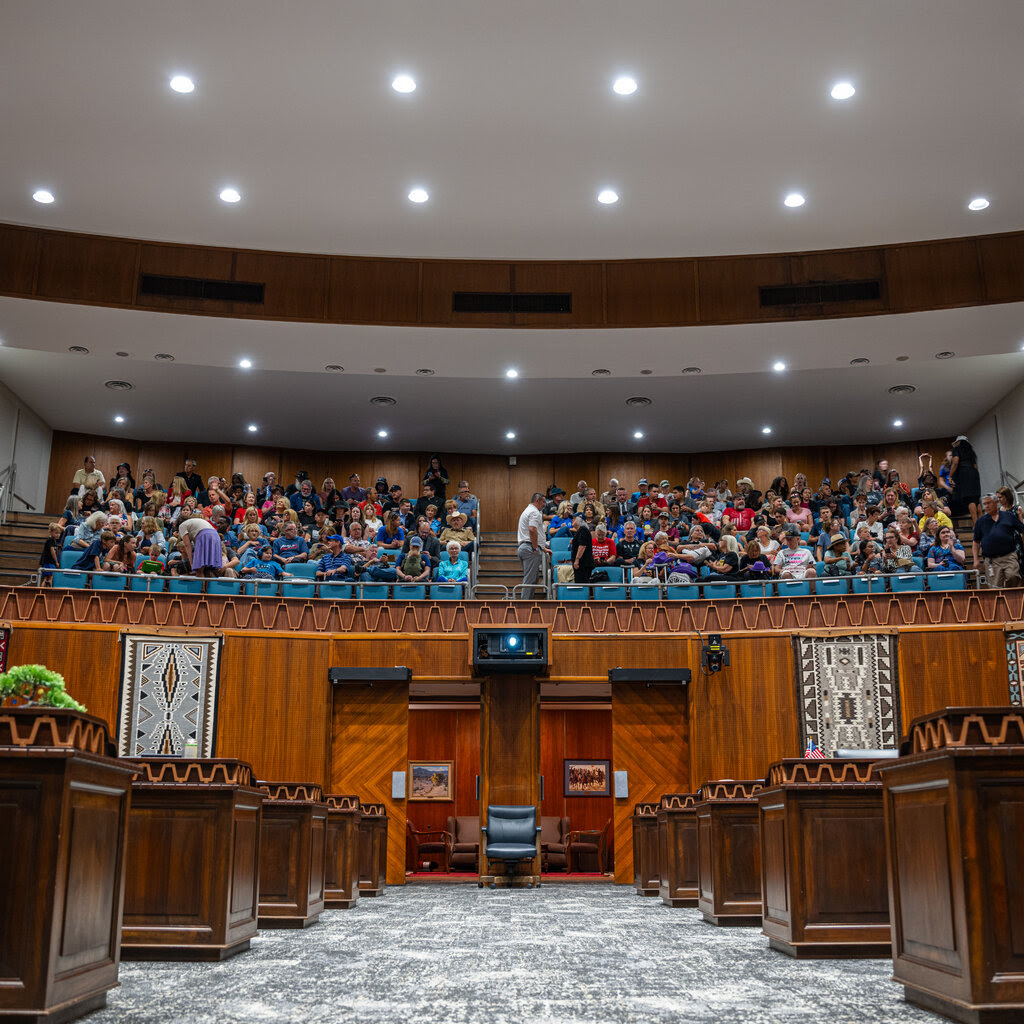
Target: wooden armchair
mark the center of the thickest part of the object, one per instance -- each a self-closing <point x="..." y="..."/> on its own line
<point x="582" y="845"/>
<point x="427" y="845"/>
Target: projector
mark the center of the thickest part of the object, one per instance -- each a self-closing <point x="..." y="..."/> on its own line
<point x="509" y="649"/>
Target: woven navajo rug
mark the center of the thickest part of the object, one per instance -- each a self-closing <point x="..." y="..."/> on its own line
<point x="168" y="696"/>
<point x="1014" y="668"/>
<point x="848" y="692"/>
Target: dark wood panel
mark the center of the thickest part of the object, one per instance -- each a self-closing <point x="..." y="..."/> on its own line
<point x="729" y="287"/>
<point x="81" y="268"/>
<point x="1002" y="257"/>
<point x="296" y="286"/>
<point x="186" y="261"/>
<point x="934" y="275"/>
<point x="374" y="291"/>
<point x="651" y="292"/>
<point x="19" y="254"/>
<point x="440" y="278"/>
<point x="584" y="280"/>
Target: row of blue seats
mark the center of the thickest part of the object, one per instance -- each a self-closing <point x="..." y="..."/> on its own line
<point x="259" y="588"/>
<point x="835" y="585"/>
<point x="617" y="573"/>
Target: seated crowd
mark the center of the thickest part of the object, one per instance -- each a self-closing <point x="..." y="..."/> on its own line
<point x="217" y="527"/>
<point x="869" y="523"/>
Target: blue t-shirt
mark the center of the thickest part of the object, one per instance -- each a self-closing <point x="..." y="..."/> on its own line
<point x="383" y="538"/>
<point x="298" y="499"/>
<point x="266" y="570"/>
<point x="944" y="556"/>
<point x="289" y="548"/>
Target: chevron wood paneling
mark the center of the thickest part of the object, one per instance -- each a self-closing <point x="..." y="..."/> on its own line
<point x="650" y="740"/>
<point x="369" y="741"/>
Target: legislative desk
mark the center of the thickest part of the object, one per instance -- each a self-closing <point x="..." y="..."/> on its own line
<point x="728" y="852"/>
<point x="645" y="849"/>
<point x="954" y="826"/>
<point x="341" y="872"/>
<point x="373" y="849"/>
<point x="64" y="802"/>
<point x="677" y="850"/>
<point x="823" y="859"/>
<point x="293" y="849"/>
<point x="193" y="866"/>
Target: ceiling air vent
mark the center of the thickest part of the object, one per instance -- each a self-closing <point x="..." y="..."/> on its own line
<point x="334" y="368"/>
<point x="166" y="287"/>
<point x="118" y="385"/>
<point x="638" y="400"/>
<point x="383" y="400"/>
<point x="511" y="302"/>
<point x="164" y="357"/>
<point x="601" y="372"/>
<point x="819" y="293"/>
<point x="79" y="350"/>
<point x="690" y="369"/>
<point x="860" y="361"/>
<point x="902" y="389"/>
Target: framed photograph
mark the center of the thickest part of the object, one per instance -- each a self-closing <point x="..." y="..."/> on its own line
<point x="431" y="780"/>
<point x="587" y="777"/>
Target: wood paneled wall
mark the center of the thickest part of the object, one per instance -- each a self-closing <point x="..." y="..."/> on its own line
<point x="574" y="733"/>
<point x="67" y="267"/>
<point x="446" y="734"/>
<point x="503" y="490"/>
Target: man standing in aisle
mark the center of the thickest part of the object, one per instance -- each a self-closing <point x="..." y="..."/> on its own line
<point x="995" y="541"/>
<point x="531" y="547"/>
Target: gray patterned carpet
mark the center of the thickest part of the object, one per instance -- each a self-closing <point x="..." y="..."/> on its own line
<point x="558" y="955"/>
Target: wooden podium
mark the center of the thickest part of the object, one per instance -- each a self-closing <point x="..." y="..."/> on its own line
<point x="823" y="859"/>
<point x="954" y="826"/>
<point x="677" y="850"/>
<point x="729" y="853"/>
<point x="191" y="890"/>
<point x="341" y="874"/>
<point x="373" y="849"/>
<point x="645" y="849"/>
<point x="64" y="803"/>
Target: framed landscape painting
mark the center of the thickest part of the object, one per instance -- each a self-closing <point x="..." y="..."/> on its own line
<point x="431" y="780"/>
<point x="587" y="777"/>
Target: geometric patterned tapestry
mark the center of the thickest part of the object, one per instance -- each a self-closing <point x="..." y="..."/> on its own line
<point x="1014" y="656"/>
<point x="848" y="691"/>
<point x="168" y="696"/>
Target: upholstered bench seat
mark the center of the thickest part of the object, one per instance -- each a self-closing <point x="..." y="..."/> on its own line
<point x="509" y="851"/>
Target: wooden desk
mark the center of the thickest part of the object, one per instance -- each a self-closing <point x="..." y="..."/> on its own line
<point x="293" y="850"/>
<point x="954" y="827"/>
<point x="677" y="850"/>
<point x="645" y="849"/>
<point x="823" y="860"/>
<point x="373" y="849"/>
<point x="64" y="807"/>
<point x="729" y="853"/>
<point x="341" y="874"/>
<point x="191" y="888"/>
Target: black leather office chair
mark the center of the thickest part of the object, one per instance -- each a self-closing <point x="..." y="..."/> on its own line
<point x="511" y="834"/>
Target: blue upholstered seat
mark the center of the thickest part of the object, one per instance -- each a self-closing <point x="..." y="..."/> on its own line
<point x="719" y="591"/>
<point x="572" y="592"/>
<point x="909" y="582"/>
<point x="832" y="585"/>
<point x="946" y="581"/>
<point x="223" y="586"/>
<point x="793" y="588"/>
<point x="510" y="833"/>
<point x="446" y="592"/>
<point x="765" y="589"/>
<point x="105" y="581"/>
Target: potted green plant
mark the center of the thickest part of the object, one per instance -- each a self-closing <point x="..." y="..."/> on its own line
<point x="35" y="686"/>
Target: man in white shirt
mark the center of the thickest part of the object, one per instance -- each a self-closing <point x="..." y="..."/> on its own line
<point x="794" y="562"/>
<point x="528" y="536"/>
<point x="579" y="495"/>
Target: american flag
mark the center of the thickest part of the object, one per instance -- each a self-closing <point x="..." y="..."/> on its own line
<point x="813" y="750"/>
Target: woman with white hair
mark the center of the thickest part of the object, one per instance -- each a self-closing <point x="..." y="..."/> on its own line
<point x="452" y="569"/>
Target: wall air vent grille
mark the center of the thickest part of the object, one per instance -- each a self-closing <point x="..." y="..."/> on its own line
<point x="164" y="286"/>
<point x="511" y="302"/>
<point x="820" y="293"/>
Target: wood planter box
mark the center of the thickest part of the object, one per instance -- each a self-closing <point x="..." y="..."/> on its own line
<point x="954" y="827"/>
<point x="293" y="849"/>
<point x="341" y="873"/>
<point x="729" y="853"/>
<point x="373" y="849"/>
<point x="645" y="849"/>
<point x="677" y="846"/>
<point x="192" y="886"/>
<point x="64" y="803"/>
<point x="823" y="860"/>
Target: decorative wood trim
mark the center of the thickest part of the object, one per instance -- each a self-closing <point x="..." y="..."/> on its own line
<point x="960" y="728"/>
<point x="53" y="729"/>
<point x="729" y="790"/>
<point x="156" y="771"/>
<point x="301" y="792"/>
<point x="678" y="802"/>
<point x="822" y="774"/>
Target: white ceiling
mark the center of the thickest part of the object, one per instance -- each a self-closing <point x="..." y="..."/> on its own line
<point x="513" y="129"/>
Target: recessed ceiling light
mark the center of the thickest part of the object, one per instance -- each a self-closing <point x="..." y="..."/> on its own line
<point x="779" y="366"/>
<point x="382" y="434"/>
<point x="182" y="83"/>
<point x="511" y="373"/>
<point x="123" y="355"/>
<point x="978" y="203"/>
<point x="793" y="200"/>
<point x="404" y="83"/>
<point x="766" y="430"/>
<point x="119" y="419"/>
<point x="510" y="435"/>
<point x="42" y="195"/>
<point x="380" y="369"/>
<point x="647" y="373"/>
<point x="624" y="86"/>
<point x="245" y="364"/>
<point x="419" y="195"/>
<point x="230" y="195"/>
<point x="843" y="90"/>
<point x="638" y="435"/>
<point x="897" y="423"/>
<point x="607" y="196"/>
<point x="252" y="428"/>
<point x="902" y="359"/>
